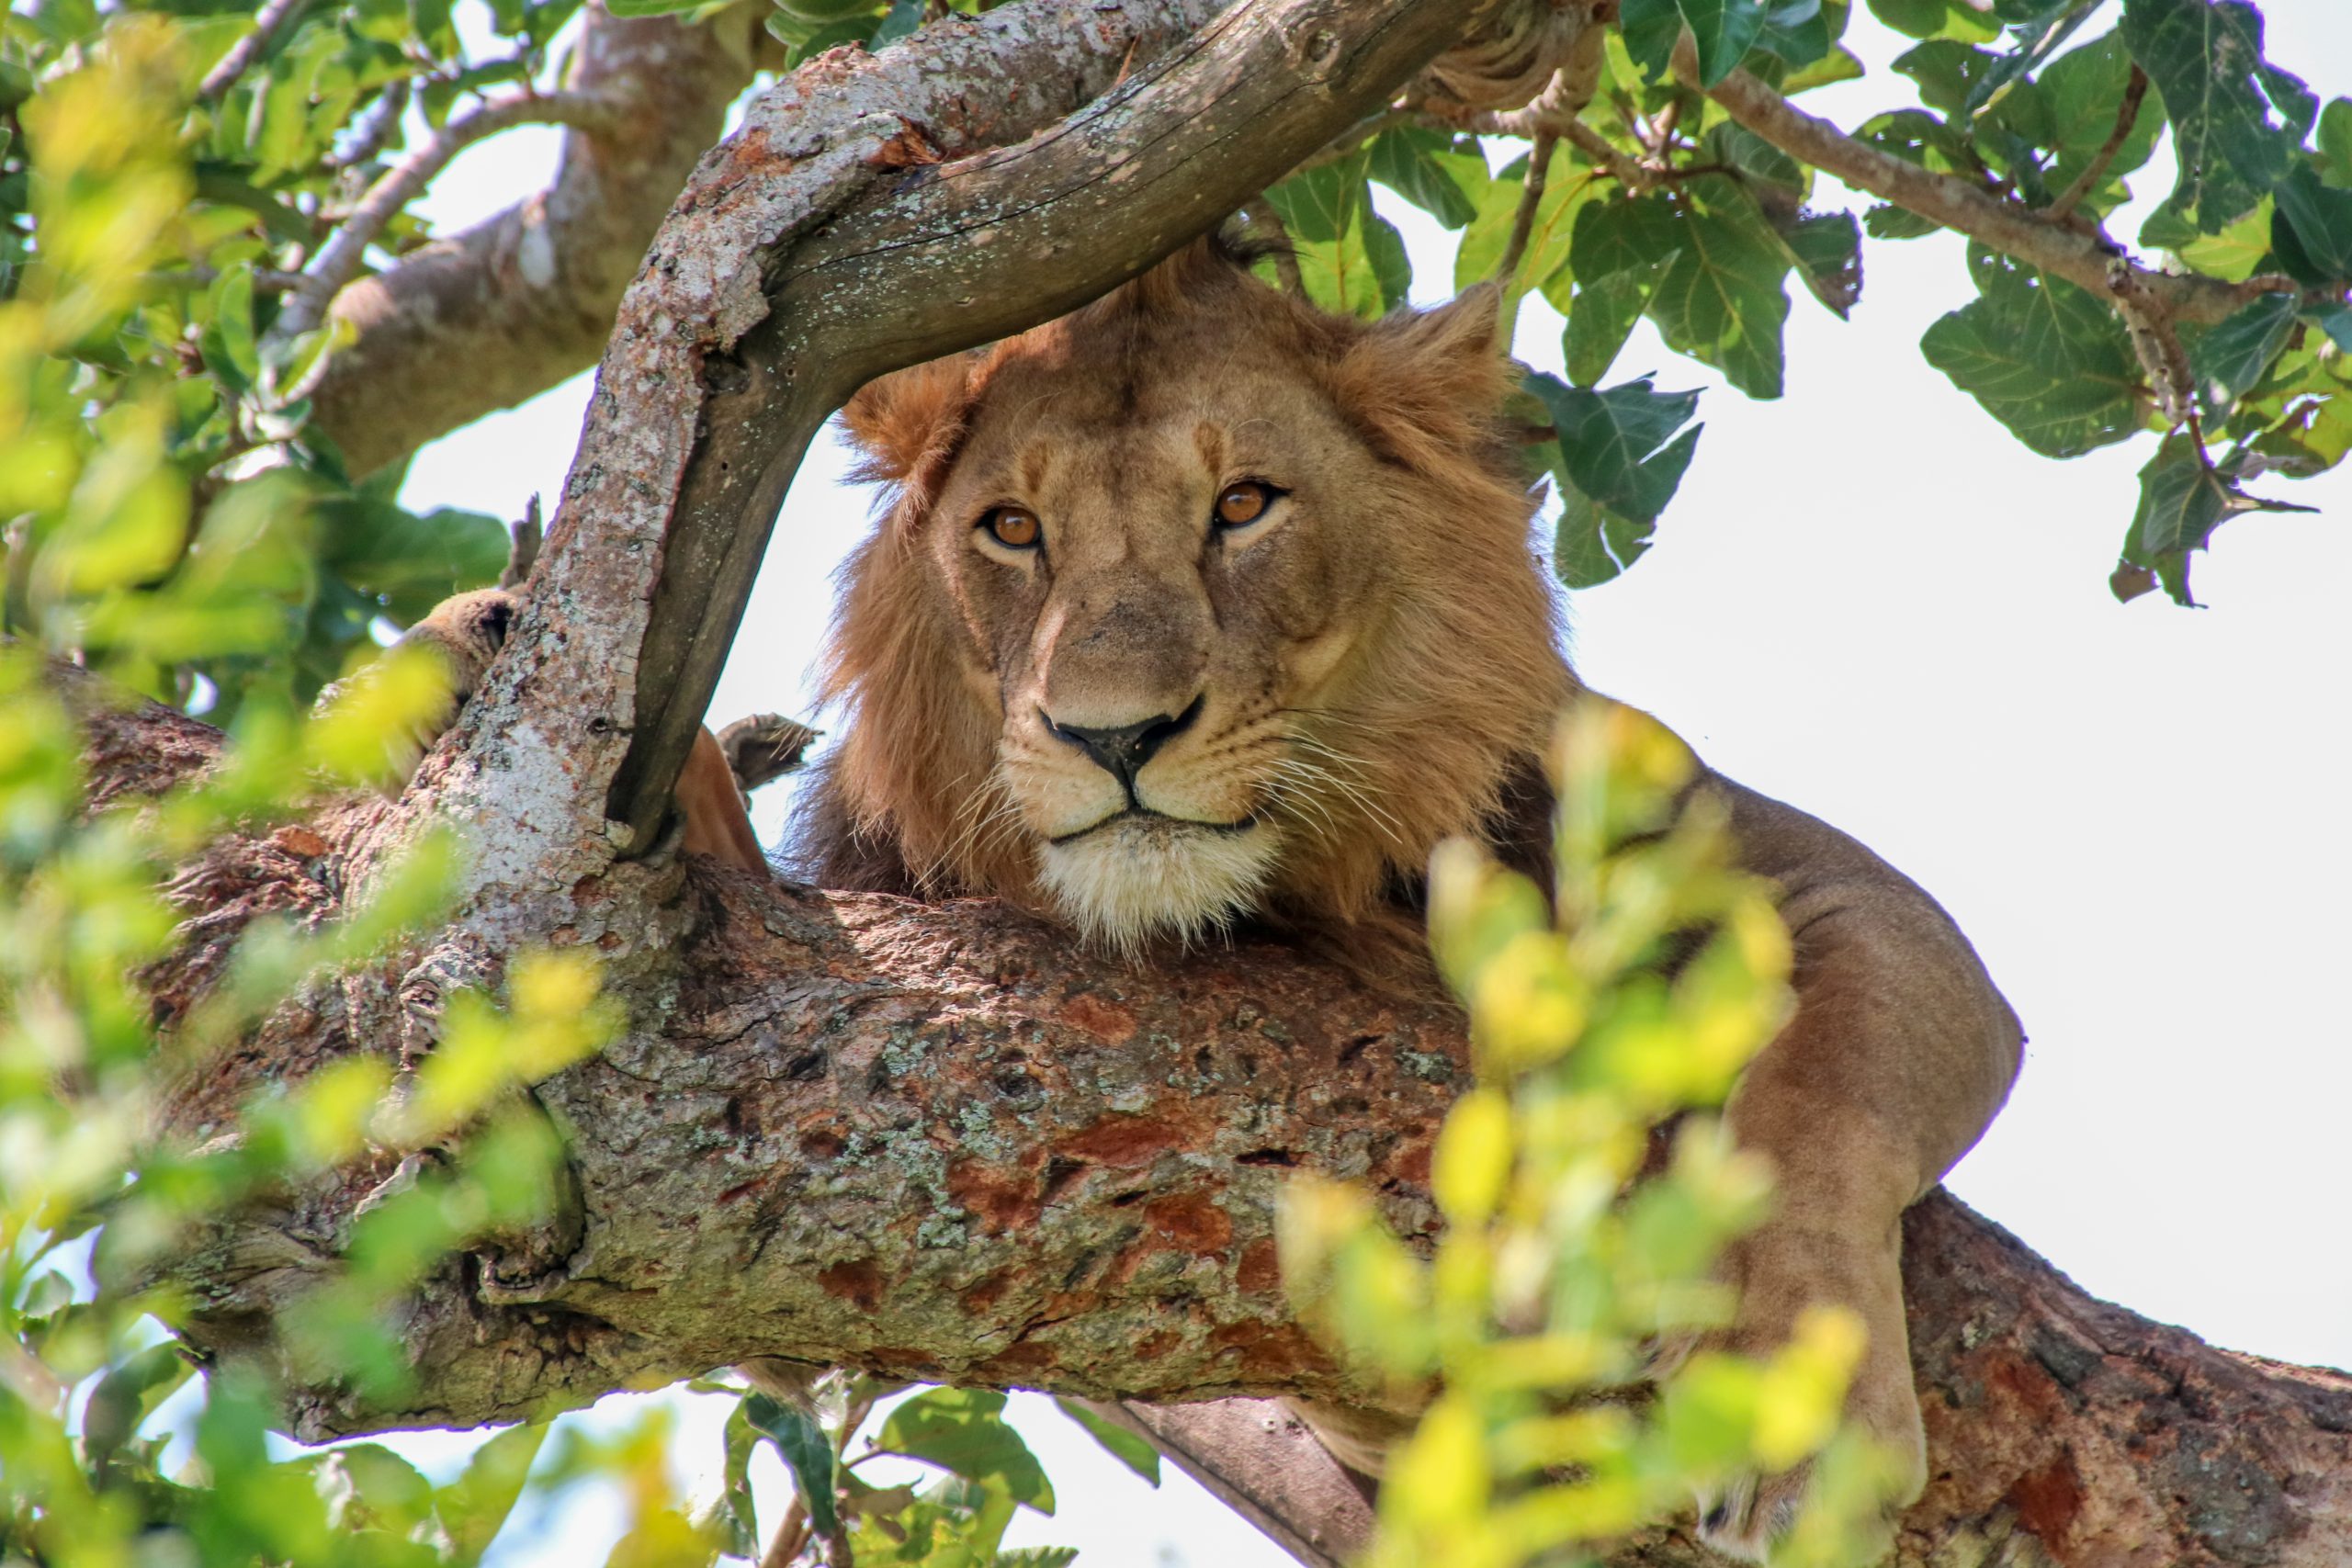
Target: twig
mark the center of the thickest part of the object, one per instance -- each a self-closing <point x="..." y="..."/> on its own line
<point x="267" y="21"/>
<point x="524" y="535"/>
<point x="374" y="129"/>
<point x="1531" y="197"/>
<point x="791" y="1535"/>
<point x="2126" y="116"/>
<point x="2088" y="261"/>
<point x="339" y="260"/>
<point x="1629" y="172"/>
<point x="269" y="279"/>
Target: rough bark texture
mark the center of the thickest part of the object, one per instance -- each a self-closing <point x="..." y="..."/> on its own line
<point x="526" y="297"/>
<point x="933" y="1142"/>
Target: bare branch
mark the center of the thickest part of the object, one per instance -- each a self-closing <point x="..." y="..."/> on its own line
<point x="2127" y="114"/>
<point x="345" y="251"/>
<point x="267" y="23"/>
<point x="525" y="297"/>
<point x="1522" y="222"/>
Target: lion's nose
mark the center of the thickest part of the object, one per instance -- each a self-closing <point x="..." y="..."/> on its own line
<point x="1122" y="749"/>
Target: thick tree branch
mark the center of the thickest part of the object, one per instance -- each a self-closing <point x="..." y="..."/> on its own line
<point x="933" y="1142"/>
<point x="526" y="299"/>
<point x="773" y="292"/>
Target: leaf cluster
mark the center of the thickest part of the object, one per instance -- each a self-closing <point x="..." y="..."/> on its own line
<point x="1662" y="206"/>
<point x="1574" y="1263"/>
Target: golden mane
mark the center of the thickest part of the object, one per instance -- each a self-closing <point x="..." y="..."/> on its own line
<point x="1459" y="675"/>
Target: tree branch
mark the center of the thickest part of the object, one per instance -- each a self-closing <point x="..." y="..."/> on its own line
<point x="936" y="1142"/>
<point x="2127" y="114"/>
<point x="2031" y="236"/>
<point x="774" y="291"/>
<point x="267" y="23"/>
<point x="526" y="299"/>
<point x="346" y="251"/>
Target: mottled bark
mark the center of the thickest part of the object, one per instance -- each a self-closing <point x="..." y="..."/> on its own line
<point x="933" y="1142"/>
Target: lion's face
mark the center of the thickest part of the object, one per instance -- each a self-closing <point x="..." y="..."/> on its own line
<point x="1180" y="609"/>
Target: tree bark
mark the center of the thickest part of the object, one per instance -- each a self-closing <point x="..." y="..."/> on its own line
<point x="933" y="1140"/>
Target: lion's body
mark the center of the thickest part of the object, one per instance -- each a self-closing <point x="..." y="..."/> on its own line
<point x="1073" y="680"/>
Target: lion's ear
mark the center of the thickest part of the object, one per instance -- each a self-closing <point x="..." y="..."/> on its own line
<point x="1429" y="384"/>
<point x="908" y="423"/>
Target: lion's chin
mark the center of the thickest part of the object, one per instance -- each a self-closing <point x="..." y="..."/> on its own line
<point x="1136" y="879"/>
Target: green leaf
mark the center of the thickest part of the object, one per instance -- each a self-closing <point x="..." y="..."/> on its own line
<point x="2237" y="353"/>
<point x="1947" y="71"/>
<point x="1828" y="251"/>
<point x="2043" y="356"/>
<point x="1889" y="222"/>
<point x="1443" y="174"/>
<point x="2335" y="141"/>
<point x="1568" y="189"/>
<point x="1121" y="1444"/>
<point x="650" y="8"/>
<point x="2311" y="231"/>
<point x="1800" y="33"/>
<point x="1350" y="259"/>
<point x="1619" y="447"/>
<point x="1723" y="30"/>
<point x="2183" y="497"/>
<point x="806" y="1448"/>
<point x="2081" y="92"/>
<point x="739" y="1438"/>
<point x="964" y="1431"/>
<point x="1600" y="317"/>
<point x="901" y="21"/>
<point x="1036" y="1557"/>
<point x="232" y="302"/>
<point x="382" y="550"/>
<point x="2236" y="254"/>
<point x="1592" y="543"/>
<point x="2236" y="119"/>
<point x="127" y="1395"/>
<point x="1721" y="299"/>
<point x="1623" y="234"/>
<point x="1913" y="19"/>
<point x="473" y="1507"/>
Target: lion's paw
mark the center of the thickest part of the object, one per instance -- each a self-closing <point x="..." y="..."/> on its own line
<point x="1747" y="1518"/>
<point x="465" y="632"/>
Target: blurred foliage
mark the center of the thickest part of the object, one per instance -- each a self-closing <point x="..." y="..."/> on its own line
<point x="1574" y="1260"/>
<point x="168" y="168"/>
<point x="974" y="1472"/>
<point x="167" y="516"/>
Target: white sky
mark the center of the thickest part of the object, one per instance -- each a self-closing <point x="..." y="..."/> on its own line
<point x="1871" y="601"/>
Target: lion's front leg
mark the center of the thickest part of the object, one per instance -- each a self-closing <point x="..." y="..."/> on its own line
<point x="1898" y="1057"/>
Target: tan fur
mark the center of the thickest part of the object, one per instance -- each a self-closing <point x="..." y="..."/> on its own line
<point x="1374" y="669"/>
<point x="1406" y="547"/>
<point x="1371" y="666"/>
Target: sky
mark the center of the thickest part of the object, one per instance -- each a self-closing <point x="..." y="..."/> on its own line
<point x="1871" y="602"/>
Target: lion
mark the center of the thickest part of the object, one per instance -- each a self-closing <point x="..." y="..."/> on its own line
<point x="1200" y="605"/>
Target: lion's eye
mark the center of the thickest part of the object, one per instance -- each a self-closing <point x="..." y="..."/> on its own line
<point x="1238" y="506"/>
<point x="1013" y="527"/>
